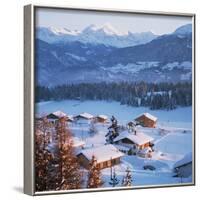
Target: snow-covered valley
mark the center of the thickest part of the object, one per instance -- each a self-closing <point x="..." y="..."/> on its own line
<point x="180" y="117"/>
<point x="172" y="138"/>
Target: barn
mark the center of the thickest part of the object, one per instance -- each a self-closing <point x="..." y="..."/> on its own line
<point x="183" y="167"/>
<point x="102" y="118"/>
<point x="146" y="120"/>
<point x="106" y="156"/>
<point x="84" y="118"/>
<point x="55" y="116"/>
<point x="135" y="141"/>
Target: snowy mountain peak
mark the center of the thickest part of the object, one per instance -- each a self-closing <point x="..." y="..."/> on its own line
<point x="62" y="31"/>
<point x="110" y="30"/>
<point x="95" y="34"/>
<point x="92" y="27"/>
<point x="184" y="30"/>
<point x="106" y="28"/>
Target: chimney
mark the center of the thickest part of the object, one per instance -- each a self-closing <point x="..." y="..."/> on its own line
<point x="135" y="132"/>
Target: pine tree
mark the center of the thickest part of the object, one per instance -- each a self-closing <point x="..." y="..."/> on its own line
<point x="94" y="175"/>
<point x="44" y="126"/>
<point x="113" y="130"/>
<point x="42" y="159"/>
<point x="69" y="176"/>
<point x="127" y="180"/>
<point x="124" y="92"/>
<point x="113" y="179"/>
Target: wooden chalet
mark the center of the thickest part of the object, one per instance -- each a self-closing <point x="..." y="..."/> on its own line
<point x="106" y="156"/>
<point x="146" y="120"/>
<point x="183" y="167"/>
<point x="55" y="116"/>
<point x="102" y="118"/>
<point x="135" y="141"/>
<point x="83" y="118"/>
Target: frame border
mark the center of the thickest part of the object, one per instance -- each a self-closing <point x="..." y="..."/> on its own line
<point x="29" y="97"/>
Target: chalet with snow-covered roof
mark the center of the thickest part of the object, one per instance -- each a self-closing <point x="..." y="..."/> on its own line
<point x="106" y="156"/>
<point x="102" y="118"/>
<point x="136" y="141"/>
<point x="84" y="118"/>
<point x="146" y="120"/>
<point x="183" y="167"/>
<point x="55" y="116"/>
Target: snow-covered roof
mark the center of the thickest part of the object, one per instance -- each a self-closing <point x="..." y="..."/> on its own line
<point x="77" y="142"/>
<point x="148" y="115"/>
<point x="70" y="117"/>
<point x="103" y="117"/>
<point x="59" y="113"/>
<point x="138" y="138"/>
<point x="86" y="115"/>
<point x="102" y="153"/>
<point x="185" y="160"/>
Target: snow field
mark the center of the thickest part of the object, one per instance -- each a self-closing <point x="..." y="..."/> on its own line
<point x="172" y="138"/>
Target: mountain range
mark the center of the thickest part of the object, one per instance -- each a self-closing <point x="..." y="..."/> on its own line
<point x="102" y="53"/>
<point x="105" y="34"/>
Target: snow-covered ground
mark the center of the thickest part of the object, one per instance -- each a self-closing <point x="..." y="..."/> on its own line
<point x="172" y="138"/>
<point x="181" y="117"/>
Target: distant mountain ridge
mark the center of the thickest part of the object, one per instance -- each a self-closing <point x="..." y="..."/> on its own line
<point x="184" y="30"/>
<point x="167" y="58"/>
<point x="105" y="34"/>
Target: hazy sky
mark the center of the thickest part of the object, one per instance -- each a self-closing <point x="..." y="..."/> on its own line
<point x="78" y="20"/>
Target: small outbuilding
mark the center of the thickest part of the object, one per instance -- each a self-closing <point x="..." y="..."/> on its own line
<point x="55" y="116"/>
<point x="183" y="167"/>
<point x="102" y="119"/>
<point x="84" y="118"/>
<point x="106" y="156"/>
<point x="146" y="120"/>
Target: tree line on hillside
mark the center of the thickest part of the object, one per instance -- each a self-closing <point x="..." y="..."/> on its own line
<point x="154" y="95"/>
